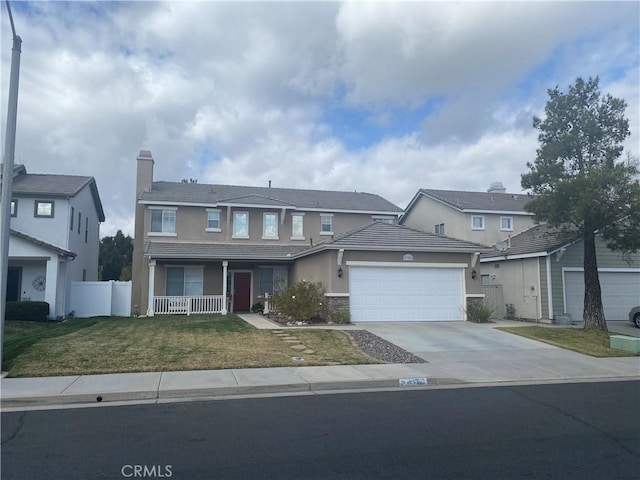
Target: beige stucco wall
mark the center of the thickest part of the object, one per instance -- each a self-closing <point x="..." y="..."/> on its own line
<point x="517" y="278"/>
<point x="323" y="267"/>
<point x="427" y="213"/>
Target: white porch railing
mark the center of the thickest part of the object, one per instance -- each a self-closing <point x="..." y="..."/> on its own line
<point x="173" y="305"/>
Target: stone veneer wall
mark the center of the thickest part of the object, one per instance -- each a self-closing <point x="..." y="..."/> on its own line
<point x="336" y="307"/>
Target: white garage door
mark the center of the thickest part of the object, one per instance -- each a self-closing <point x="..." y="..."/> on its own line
<point x="620" y="292"/>
<point x="387" y="294"/>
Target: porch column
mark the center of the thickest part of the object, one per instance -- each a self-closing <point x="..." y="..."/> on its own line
<point x="152" y="289"/>
<point x="225" y="264"/>
<point x="51" y="286"/>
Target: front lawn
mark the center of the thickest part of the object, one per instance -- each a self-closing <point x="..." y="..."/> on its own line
<point x="589" y="342"/>
<point x="161" y="343"/>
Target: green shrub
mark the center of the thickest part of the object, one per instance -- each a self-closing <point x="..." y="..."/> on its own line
<point x="302" y="301"/>
<point x="479" y="313"/>
<point x="342" y="318"/>
<point x="27" y="311"/>
<point x="257" y="307"/>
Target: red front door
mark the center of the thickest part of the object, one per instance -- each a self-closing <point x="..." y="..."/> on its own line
<point x="241" y="291"/>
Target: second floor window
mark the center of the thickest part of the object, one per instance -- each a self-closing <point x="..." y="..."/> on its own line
<point x="439" y="229"/>
<point x="297" y="227"/>
<point x="241" y="224"/>
<point x="14" y="208"/>
<point x="270" y="225"/>
<point x="477" y="222"/>
<point x="213" y="220"/>
<point x="163" y="221"/>
<point x="43" y="209"/>
<point x="326" y="224"/>
<point x="506" y="224"/>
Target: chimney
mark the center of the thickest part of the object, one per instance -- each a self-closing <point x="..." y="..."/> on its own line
<point x="496" y="187"/>
<point x="144" y="175"/>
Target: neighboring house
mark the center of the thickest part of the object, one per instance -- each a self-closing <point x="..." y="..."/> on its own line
<point x="219" y="248"/>
<point x="480" y="217"/>
<point x="54" y="238"/>
<point x="542" y="276"/>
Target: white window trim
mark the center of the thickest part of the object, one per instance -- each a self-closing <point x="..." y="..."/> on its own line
<point x="322" y="215"/>
<point x="502" y="229"/>
<point x="264" y="218"/>
<point x="214" y="210"/>
<point x="234" y="225"/>
<point x="483" y="222"/>
<point x="163" y="234"/>
<point x="437" y="227"/>
<point x="383" y="218"/>
<point x="297" y="215"/>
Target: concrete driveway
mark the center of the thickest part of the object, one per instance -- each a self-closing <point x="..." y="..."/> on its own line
<point x="479" y="352"/>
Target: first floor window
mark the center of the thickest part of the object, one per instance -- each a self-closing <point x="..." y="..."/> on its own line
<point x="326" y="223"/>
<point x="477" y="222"/>
<point x="439" y="229"/>
<point x="241" y="224"/>
<point x="184" y="281"/>
<point x="43" y="208"/>
<point x="506" y="224"/>
<point x="273" y="279"/>
<point x="297" y="227"/>
<point x="163" y="221"/>
<point x="213" y="220"/>
<point x="270" y="225"/>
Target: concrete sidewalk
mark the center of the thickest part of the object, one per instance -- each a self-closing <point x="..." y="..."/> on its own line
<point x="538" y="363"/>
<point x="157" y="386"/>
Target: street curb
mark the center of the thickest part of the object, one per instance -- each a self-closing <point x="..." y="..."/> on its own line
<point x="231" y="391"/>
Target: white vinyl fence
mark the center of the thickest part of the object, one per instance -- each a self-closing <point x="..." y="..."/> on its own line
<point x="91" y="299"/>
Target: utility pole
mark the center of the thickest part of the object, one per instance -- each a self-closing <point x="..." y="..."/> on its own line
<point x="7" y="173"/>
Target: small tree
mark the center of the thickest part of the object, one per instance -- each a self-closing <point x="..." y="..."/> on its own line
<point x="115" y="257"/>
<point x="580" y="184"/>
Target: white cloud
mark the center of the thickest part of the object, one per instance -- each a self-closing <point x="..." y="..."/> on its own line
<point x="232" y="92"/>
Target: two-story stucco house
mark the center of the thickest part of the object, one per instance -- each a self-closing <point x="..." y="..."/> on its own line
<point x="482" y="217"/>
<point x="54" y="238"/>
<point x="220" y="248"/>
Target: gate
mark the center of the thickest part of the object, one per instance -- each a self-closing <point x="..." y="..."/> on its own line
<point x="494" y="300"/>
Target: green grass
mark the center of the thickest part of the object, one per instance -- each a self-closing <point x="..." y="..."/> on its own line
<point x="162" y="343"/>
<point x="589" y="342"/>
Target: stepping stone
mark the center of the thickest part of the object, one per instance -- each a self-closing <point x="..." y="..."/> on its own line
<point x="277" y="332"/>
<point x="288" y="338"/>
<point x="298" y="347"/>
<point x="292" y="341"/>
<point x="308" y="351"/>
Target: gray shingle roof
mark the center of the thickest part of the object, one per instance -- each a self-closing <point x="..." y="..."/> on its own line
<point x="222" y="251"/>
<point x="507" y="202"/>
<point x="300" y="199"/>
<point x="541" y="239"/>
<point x="56" y="186"/>
<point x="383" y="236"/>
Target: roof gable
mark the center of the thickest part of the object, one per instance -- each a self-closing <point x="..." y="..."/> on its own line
<point x="35" y="184"/>
<point x="384" y="236"/>
<point x="539" y="239"/>
<point x="477" y="201"/>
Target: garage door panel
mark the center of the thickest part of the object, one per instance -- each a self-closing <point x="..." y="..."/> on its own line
<point x="620" y="291"/>
<point x="405" y="294"/>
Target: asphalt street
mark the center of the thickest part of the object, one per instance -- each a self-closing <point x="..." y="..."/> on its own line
<point x="559" y="431"/>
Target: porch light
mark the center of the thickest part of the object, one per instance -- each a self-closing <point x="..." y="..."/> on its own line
<point x="339" y="272"/>
<point x="473" y="274"/>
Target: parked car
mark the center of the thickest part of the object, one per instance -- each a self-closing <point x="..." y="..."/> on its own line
<point x="634" y="316"/>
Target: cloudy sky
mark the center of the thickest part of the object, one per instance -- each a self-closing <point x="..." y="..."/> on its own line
<point x="377" y="97"/>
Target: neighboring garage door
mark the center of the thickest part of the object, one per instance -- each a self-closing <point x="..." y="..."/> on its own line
<point x="387" y="294"/>
<point x="620" y="292"/>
